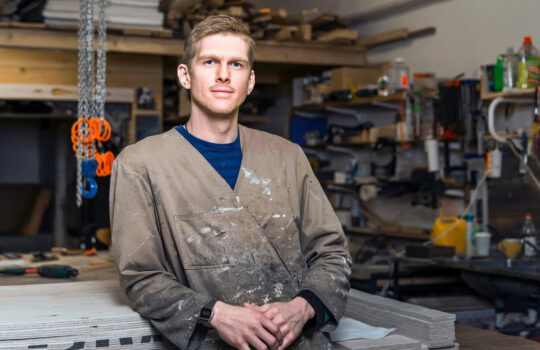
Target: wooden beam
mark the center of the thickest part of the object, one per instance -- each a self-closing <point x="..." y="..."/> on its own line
<point x="393" y="36"/>
<point x="380" y="38"/>
<point x="309" y="54"/>
<point x="64" y="40"/>
<point x="57" y="93"/>
<point x="338" y="35"/>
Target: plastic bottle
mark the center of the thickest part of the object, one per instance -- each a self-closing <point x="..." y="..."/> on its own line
<point x="469" y="236"/>
<point x="398" y="76"/>
<point x="528" y="232"/>
<point x="527" y="56"/>
<point x="498" y="79"/>
<point x="510" y="62"/>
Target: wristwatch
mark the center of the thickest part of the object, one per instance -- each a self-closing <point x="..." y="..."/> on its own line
<point x="206" y="313"/>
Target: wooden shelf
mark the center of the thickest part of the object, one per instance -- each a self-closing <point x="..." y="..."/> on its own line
<point x="391" y="231"/>
<point x="514" y="93"/>
<point x="266" y="52"/>
<point x="355" y="101"/>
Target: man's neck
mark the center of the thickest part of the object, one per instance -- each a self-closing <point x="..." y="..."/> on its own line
<point x="215" y="130"/>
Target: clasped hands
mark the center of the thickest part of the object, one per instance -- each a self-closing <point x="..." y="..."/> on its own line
<point x="269" y="326"/>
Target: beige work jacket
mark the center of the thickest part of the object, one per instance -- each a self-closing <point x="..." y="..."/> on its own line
<point x="182" y="237"/>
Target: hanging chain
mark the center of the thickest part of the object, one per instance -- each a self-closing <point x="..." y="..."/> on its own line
<point x="82" y="106"/>
<point x="101" y="61"/>
<point x="91" y="126"/>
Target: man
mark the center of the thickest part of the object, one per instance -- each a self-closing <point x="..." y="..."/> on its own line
<point x="222" y="234"/>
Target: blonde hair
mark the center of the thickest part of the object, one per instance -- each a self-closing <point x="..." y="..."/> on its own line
<point x="218" y="24"/>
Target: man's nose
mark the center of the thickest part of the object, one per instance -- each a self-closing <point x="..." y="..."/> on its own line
<point x="223" y="74"/>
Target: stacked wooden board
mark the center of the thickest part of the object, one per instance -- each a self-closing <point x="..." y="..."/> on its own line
<point x="433" y="328"/>
<point x="390" y="342"/>
<point x="78" y="315"/>
<point x="96" y="314"/>
<point x="119" y="13"/>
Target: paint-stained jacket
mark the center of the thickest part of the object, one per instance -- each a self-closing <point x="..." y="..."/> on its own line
<point x="182" y="237"/>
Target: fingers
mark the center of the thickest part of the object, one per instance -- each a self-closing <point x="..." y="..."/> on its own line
<point x="252" y="307"/>
<point x="261" y="308"/>
<point x="261" y="335"/>
<point x="287" y="341"/>
<point x="255" y="341"/>
<point x="272" y="328"/>
<point x="272" y="312"/>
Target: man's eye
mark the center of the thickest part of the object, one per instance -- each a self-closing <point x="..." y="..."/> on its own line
<point x="209" y="62"/>
<point x="236" y="64"/>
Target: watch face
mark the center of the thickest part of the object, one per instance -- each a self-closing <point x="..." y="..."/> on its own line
<point x="206" y="313"/>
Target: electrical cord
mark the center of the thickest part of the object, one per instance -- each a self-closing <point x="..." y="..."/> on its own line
<point x="529" y="171"/>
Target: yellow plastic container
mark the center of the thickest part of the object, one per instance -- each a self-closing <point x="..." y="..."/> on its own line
<point x="455" y="237"/>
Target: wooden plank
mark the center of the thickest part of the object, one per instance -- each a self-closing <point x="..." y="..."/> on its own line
<point x="390" y="342"/>
<point x="284" y="34"/>
<point x="45" y="92"/>
<point x="41" y="203"/>
<point x="393" y="36"/>
<point x="303" y="33"/>
<point x="338" y="35"/>
<point x="63" y="40"/>
<point x="68" y="60"/>
<point x="327" y="19"/>
<point x="471" y="338"/>
<point x="308" y="54"/>
<point x="380" y="38"/>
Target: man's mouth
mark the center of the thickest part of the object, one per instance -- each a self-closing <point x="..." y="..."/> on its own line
<point x="222" y="90"/>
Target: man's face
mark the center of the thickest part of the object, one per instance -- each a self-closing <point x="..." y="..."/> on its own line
<point x="220" y="77"/>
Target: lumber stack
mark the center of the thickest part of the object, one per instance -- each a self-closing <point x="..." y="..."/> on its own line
<point x="120" y="13"/>
<point x="264" y="24"/>
<point x="390" y="342"/>
<point x="73" y="315"/>
<point x="433" y="328"/>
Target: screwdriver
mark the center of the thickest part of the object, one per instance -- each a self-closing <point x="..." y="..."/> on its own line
<point x="51" y="270"/>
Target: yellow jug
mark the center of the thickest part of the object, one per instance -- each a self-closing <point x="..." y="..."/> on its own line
<point x="455" y="237"/>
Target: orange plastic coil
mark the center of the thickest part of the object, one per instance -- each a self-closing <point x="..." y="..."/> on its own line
<point x="105" y="162"/>
<point x="76" y="132"/>
<point x="101" y="128"/>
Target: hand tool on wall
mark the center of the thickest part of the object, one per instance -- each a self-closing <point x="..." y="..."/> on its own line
<point x="52" y="271"/>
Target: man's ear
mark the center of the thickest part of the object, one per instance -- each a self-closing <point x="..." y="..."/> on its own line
<point x="183" y="76"/>
<point x="251" y="82"/>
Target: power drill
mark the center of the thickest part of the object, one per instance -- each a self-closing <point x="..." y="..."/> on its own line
<point x="50" y="270"/>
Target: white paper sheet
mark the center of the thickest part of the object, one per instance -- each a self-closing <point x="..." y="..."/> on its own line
<point x="349" y="328"/>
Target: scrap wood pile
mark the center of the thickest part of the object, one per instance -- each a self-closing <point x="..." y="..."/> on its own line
<point x="96" y="314"/>
<point x="264" y="24"/>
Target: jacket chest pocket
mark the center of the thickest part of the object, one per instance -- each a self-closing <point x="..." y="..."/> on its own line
<point x="207" y="240"/>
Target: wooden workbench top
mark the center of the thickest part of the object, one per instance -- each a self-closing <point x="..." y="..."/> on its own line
<point x="470" y="338"/>
<point x="95" y="267"/>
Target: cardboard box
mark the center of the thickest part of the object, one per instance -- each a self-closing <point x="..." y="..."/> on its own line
<point x="345" y="77"/>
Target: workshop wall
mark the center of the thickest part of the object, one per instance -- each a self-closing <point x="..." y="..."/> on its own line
<point x="469" y="33"/>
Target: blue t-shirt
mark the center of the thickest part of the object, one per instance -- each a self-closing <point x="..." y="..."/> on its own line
<point x="226" y="158"/>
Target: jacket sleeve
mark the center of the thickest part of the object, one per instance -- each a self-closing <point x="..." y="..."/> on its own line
<point x="324" y="244"/>
<point x="145" y="273"/>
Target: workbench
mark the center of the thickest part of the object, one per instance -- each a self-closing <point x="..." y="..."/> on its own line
<point x="97" y="267"/>
<point x="101" y="267"/>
